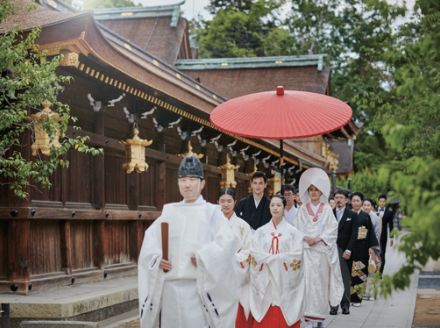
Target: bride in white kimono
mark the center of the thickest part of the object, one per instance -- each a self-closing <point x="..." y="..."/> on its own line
<point x="324" y="285"/>
<point x="276" y="266"/>
<point x="199" y="288"/>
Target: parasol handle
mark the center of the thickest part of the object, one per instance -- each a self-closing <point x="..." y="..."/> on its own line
<point x="164" y="227"/>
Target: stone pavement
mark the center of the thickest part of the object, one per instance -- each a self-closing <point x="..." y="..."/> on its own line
<point x="395" y="312"/>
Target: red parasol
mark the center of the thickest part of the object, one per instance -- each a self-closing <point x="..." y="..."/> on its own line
<point x="281" y="115"/>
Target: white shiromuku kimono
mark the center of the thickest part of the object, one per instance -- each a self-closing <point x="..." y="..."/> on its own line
<point x="324" y="285"/>
<point x="188" y="296"/>
<point x="276" y="266"/>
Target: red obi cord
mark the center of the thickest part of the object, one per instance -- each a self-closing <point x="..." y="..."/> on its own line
<point x="275" y="245"/>
<point x="313" y="215"/>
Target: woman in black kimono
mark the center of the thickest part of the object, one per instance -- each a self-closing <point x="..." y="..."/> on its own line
<point x="366" y="244"/>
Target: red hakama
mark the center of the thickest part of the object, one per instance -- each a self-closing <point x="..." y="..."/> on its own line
<point x="274" y="319"/>
<point x="241" y="321"/>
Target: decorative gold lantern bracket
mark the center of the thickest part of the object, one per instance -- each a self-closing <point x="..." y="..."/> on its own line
<point x="228" y="174"/>
<point x="332" y="158"/>
<point x="43" y="141"/>
<point x="275" y="183"/>
<point x="190" y="152"/>
<point x="135" y="153"/>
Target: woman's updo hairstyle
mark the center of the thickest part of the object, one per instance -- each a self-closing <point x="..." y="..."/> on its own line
<point x="227" y="191"/>
<point x="283" y="200"/>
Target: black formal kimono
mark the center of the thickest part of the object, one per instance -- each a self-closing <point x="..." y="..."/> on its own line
<point x="254" y="216"/>
<point x="365" y="238"/>
<point x="346" y="240"/>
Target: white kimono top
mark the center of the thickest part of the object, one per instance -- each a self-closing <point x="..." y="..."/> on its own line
<point x="198" y="229"/>
<point x="244" y="232"/>
<point x="276" y="265"/>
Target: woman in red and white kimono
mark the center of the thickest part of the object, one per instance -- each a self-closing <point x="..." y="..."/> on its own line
<point x="243" y="231"/>
<point x="276" y="266"/>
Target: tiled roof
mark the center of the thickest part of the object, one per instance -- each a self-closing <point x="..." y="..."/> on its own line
<point x="236" y="82"/>
<point x="158" y="30"/>
<point x="28" y="15"/>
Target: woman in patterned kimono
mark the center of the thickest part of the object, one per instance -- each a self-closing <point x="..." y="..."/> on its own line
<point x="276" y="266"/>
<point x="366" y="245"/>
<point x="324" y="286"/>
<point x="243" y="231"/>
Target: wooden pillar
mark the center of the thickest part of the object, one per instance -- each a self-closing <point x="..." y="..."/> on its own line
<point x="18" y="255"/>
<point x="66" y="247"/>
<point x="136" y="238"/>
<point x="98" y="194"/>
<point x="160" y="183"/>
<point x="133" y="190"/>
<point x="99" y="244"/>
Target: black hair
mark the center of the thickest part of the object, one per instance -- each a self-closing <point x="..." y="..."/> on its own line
<point x="357" y="193"/>
<point x="227" y="191"/>
<point x="288" y="187"/>
<point x="372" y="202"/>
<point x="259" y="174"/>
<point x="278" y="195"/>
<point x="382" y="196"/>
<point x="341" y="192"/>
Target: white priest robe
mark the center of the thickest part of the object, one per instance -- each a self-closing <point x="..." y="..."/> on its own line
<point x="188" y="296"/>
<point x="277" y="275"/>
<point x="323" y="277"/>
<point x="244" y="233"/>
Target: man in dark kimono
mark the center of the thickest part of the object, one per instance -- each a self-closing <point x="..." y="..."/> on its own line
<point x="254" y="209"/>
<point x="366" y="244"/>
<point x="346" y="239"/>
<point x="386" y="216"/>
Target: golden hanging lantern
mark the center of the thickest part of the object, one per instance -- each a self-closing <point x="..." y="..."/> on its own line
<point x="275" y="183"/>
<point x="43" y="141"/>
<point x="332" y="158"/>
<point x="228" y="174"/>
<point x="135" y="153"/>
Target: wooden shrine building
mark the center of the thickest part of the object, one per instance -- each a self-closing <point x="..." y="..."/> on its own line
<point x="132" y="68"/>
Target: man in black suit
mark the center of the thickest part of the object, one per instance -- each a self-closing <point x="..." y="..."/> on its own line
<point x="346" y="239"/>
<point x="386" y="215"/>
<point x="254" y="209"/>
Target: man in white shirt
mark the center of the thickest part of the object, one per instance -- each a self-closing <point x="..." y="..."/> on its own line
<point x="291" y="209"/>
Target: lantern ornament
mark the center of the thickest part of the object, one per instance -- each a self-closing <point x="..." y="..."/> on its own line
<point x="43" y="141"/>
<point x="135" y="153"/>
<point x="228" y="174"/>
<point x="332" y="158"/>
<point x="275" y="183"/>
<point x="190" y="152"/>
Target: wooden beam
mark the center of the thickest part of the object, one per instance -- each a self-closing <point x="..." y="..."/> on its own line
<point x="57" y="213"/>
<point x="98" y="168"/>
<point x="160" y="192"/>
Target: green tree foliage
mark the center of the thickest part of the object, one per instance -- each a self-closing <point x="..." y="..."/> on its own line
<point x="254" y="31"/>
<point x="413" y="118"/>
<point x="240" y="5"/>
<point x="27" y="80"/>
